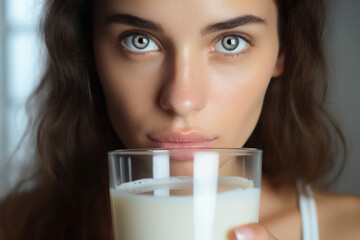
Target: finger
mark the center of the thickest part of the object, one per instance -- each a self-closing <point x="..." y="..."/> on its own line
<point x="253" y="231"/>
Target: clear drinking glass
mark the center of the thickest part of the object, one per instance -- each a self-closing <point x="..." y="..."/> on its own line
<point x="182" y="194"/>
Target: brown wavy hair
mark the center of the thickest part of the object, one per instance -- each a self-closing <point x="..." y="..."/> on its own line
<point x="73" y="132"/>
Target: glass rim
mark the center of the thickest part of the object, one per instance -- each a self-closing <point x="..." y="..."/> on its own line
<point x="175" y="151"/>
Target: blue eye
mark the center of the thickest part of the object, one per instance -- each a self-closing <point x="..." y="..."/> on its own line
<point x="139" y="43"/>
<point x="230" y="44"/>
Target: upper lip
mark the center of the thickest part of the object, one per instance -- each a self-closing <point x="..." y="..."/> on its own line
<point x="178" y="136"/>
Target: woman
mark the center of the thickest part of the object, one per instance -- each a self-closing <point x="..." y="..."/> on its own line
<point x="159" y="73"/>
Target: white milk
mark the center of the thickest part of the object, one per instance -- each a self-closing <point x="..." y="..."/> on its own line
<point x="139" y="215"/>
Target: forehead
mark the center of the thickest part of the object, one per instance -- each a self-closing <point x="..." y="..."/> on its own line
<point x="188" y="12"/>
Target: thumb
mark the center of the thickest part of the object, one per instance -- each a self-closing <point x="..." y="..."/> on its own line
<point x="252" y="231"/>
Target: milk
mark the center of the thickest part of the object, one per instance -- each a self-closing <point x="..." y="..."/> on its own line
<point x="153" y="209"/>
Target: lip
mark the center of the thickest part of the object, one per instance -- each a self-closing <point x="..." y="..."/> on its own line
<point x="190" y="139"/>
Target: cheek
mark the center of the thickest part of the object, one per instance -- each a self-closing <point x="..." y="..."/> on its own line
<point x="239" y="93"/>
<point x="129" y="93"/>
<point x="246" y="102"/>
<point x="242" y="86"/>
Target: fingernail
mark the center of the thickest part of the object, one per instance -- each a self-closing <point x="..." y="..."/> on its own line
<point x="244" y="233"/>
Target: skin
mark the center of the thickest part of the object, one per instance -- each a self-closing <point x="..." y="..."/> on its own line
<point x="185" y="82"/>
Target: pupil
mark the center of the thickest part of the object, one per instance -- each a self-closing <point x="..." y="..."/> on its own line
<point x="140" y="42"/>
<point x="230" y="43"/>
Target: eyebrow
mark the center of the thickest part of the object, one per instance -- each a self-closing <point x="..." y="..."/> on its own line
<point x="233" y="23"/>
<point x="146" y="24"/>
<point x="133" y="21"/>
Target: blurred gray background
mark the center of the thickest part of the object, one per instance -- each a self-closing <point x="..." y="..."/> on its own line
<point x="21" y="57"/>
<point x="344" y="59"/>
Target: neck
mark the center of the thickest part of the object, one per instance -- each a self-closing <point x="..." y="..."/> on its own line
<point x="275" y="201"/>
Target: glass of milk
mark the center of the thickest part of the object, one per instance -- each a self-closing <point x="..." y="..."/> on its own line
<point x="182" y="194"/>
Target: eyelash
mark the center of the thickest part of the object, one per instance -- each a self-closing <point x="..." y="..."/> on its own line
<point x="127" y="34"/>
<point x="130" y="33"/>
<point x="244" y="37"/>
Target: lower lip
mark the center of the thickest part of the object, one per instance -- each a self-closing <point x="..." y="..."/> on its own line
<point x="183" y="145"/>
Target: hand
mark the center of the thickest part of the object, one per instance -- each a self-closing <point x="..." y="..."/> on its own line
<point x="253" y="231"/>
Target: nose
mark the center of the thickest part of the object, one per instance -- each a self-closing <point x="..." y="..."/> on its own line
<point x="185" y="87"/>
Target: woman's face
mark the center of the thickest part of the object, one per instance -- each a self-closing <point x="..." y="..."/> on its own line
<point x="185" y="73"/>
